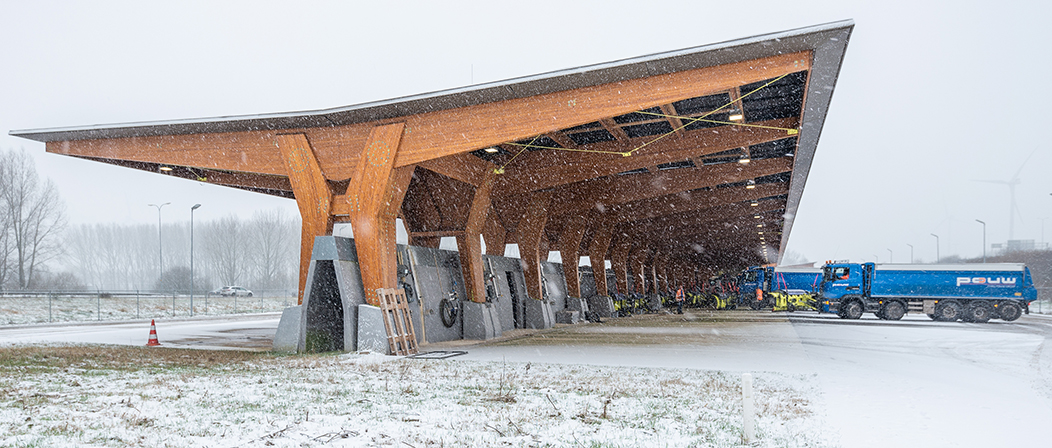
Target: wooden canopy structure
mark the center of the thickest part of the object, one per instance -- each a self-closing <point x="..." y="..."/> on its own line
<point x="670" y="163"/>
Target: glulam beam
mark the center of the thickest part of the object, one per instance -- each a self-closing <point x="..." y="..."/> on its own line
<point x="313" y="196"/>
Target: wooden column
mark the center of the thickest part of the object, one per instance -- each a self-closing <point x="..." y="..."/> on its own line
<point x="570" y="251"/>
<point x="531" y="232"/>
<point x="619" y="263"/>
<point x="313" y="196"/>
<point x="469" y="243"/>
<point x="597" y="255"/>
<point x="374" y="197"/>
<point x="495" y="234"/>
<point x="660" y="278"/>
<point x="637" y="259"/>
<point x="652" y="272"/>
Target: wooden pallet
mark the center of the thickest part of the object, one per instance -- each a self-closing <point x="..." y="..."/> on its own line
<point x="400" y="334"/>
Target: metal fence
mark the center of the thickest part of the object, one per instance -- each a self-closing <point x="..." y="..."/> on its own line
<point x="28" y="307"/>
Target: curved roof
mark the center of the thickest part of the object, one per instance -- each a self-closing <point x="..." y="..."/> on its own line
<point x="683" y="191"/>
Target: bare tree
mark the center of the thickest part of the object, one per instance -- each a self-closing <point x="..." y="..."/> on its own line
<point x="223" y="248"/>
<point x="272" y="247"/>
<point x="34" y="213"/>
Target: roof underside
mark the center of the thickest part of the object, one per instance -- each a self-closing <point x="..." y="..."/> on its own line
<point x="715" y="178"/>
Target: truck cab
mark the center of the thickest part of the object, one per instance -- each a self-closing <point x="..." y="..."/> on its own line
<point x="842" y="281"/>
<point x="752" y="286"/>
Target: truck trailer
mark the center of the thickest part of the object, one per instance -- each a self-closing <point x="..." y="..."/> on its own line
<point x="968" y="292"/>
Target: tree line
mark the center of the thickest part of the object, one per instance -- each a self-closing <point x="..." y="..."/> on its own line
<point x="39" y="251"/>
<point x="258" y="253"/>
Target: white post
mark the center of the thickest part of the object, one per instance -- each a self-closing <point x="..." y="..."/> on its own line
<point x="748" y="425"/>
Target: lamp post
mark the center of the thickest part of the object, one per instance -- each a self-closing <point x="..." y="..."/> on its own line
<point x="937" y="257"/>
<point x="911" y="252"/>
<point x="160" y="256"/>
<point x="891" y="256"/>
<point x="984" y="239"/>
<point x="195" y="207"/>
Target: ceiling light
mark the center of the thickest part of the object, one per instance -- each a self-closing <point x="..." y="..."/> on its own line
<point x="759" y="225"/>
<point x="757" y="216"/>
<point x="751" y="185"/>
<point x="743" y="160"/>
<point x="166" y="168"/>
<point x="754" y="204"/>
<point x="759" y="233"/>
<point x="492" y="150"/>
<point x="736" y="117"/>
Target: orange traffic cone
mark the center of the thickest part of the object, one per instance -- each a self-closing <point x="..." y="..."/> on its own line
<point x="153" y="335"/>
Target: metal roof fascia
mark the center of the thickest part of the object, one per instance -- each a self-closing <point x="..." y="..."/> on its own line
<point x="825" y="69"/>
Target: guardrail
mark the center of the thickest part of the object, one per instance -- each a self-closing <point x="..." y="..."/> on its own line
<point x="28" y="307"/>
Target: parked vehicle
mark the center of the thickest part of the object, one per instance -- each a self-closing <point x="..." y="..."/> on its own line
<point x="968" y="292"/>
<point x="233" y="291"/>
<point x="761" y="286"/>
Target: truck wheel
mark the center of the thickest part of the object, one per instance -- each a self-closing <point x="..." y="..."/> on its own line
<point x="948" y="311"/>
<point x="853" y="310"/>
<point x="893" y="310"/>
<point x="1010" y="311"/>
<point x="977" y="311"/>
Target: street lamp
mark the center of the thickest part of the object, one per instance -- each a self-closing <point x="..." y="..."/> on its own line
<point x="911" y="252"/>
<point x="984" y="239"/>
<point x="891" y="256"/>
<point x="195" y="207"/>
<point x="160" y="257"/>
<point x="937" y="258"/>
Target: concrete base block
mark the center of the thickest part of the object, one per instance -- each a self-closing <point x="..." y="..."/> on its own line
<point x="287" y="337"/>
<point x="601" y="306"/>
<point x="480" y="321"/>
<point x="654" y="303"/>
<point x="372" y="334"/>
<point x="577" y="304"/>
<point x="567" y="317"/>
<point x="539" y="314"/>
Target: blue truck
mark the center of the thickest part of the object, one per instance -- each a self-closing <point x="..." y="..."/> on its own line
<point x="757" y="283"/>
<point x="967" y="292"/>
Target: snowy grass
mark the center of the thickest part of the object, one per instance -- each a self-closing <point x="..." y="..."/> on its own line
<point x="133" y="396"/>
<point x="40" y="309"/>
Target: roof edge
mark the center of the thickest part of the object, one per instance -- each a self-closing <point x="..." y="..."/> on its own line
<point x="796" y="39"/>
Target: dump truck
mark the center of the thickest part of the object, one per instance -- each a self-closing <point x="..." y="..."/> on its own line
<point x="967" y="292"/>
<point x="761" y="286"/>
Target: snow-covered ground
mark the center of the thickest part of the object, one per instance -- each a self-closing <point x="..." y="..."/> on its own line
<point x="673" y="380"/>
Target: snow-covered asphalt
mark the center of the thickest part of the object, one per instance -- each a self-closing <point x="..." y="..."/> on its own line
<point x="912" y="382"/>
<point x="242" y="331"/>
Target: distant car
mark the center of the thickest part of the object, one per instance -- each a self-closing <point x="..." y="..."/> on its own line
<point x="233" y="291"/>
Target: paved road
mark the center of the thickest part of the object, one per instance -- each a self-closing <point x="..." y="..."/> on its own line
<point x="238" y="332"/>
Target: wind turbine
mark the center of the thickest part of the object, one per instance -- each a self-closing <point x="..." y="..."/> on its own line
<point x="1013" y="210"/>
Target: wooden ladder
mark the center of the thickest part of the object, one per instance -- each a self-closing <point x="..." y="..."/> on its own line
<point x="399" y="324"/>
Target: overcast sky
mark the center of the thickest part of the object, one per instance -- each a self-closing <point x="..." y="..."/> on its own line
<point x="932" y="96"/>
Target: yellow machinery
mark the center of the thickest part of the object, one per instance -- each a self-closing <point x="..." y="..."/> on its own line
<point x="793" y="300"/>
